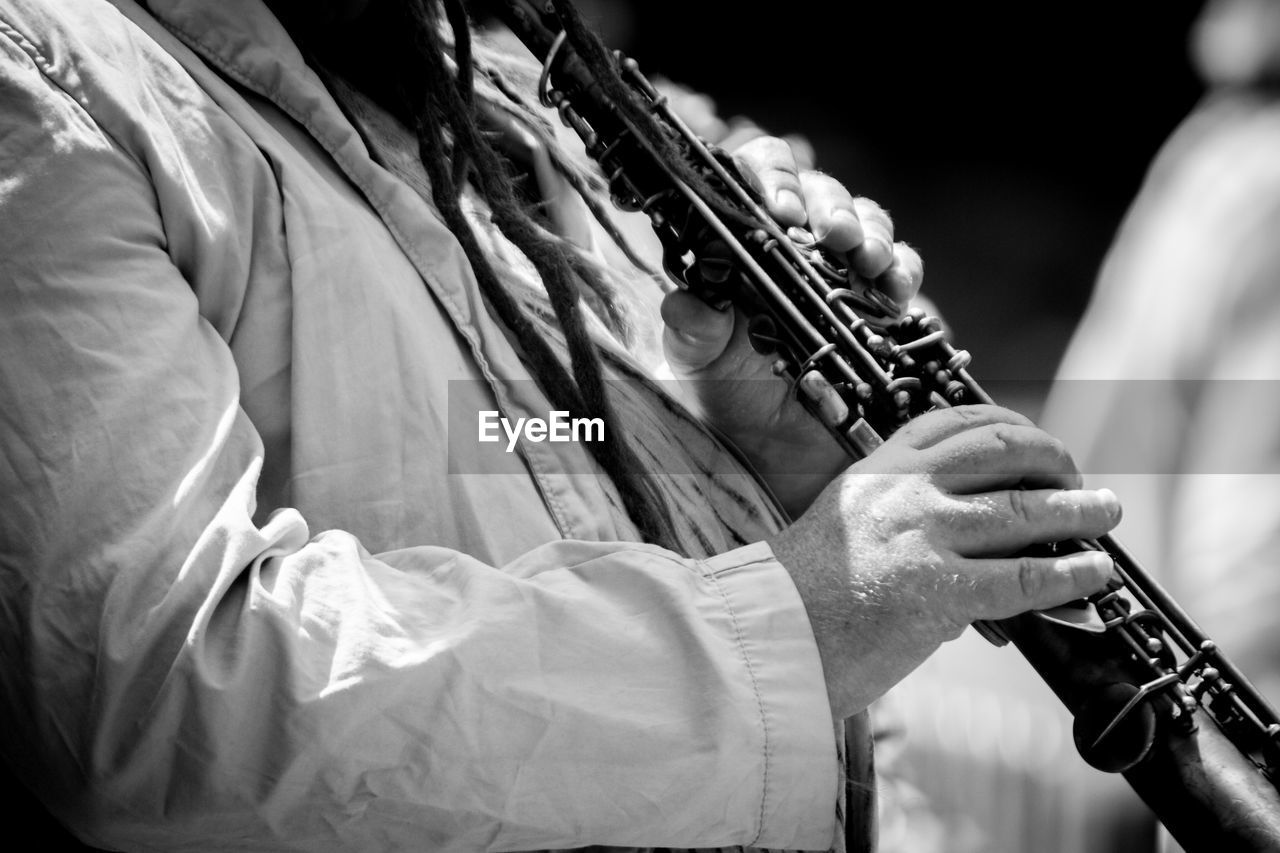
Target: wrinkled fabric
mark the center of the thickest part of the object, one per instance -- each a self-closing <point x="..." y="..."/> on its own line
<point x="245" y="604"/>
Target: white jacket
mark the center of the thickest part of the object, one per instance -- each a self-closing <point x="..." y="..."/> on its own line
<point x="251" y="595"/>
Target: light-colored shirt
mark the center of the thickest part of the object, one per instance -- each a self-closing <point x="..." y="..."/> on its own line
<point x="260" y="588"/>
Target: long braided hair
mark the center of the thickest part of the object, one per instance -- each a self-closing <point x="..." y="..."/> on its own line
<point x="422" y="68"/>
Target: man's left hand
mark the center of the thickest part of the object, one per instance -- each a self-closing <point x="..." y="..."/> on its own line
<point x="733" y="386"/>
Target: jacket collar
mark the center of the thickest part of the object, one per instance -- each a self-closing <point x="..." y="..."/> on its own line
<point x="247" y="42"/>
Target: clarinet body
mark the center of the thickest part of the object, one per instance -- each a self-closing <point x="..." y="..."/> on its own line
<point x="1151" y="696"/>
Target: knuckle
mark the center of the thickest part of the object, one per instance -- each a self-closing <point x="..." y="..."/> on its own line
<point x="970" y="414"/>
<point x="1031" y="580"/>
<point x="1001" y="438"/>
<point x="1018" y="505"/>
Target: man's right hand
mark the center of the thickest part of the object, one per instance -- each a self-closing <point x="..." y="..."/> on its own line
<point x="923" y="537"/>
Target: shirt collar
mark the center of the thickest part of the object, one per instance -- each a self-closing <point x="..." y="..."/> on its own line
<point x="247" y="42"/>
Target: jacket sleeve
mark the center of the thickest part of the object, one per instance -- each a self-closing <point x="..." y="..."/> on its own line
<point x="173" y="676"/>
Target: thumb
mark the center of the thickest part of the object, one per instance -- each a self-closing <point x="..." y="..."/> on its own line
<point x="695" y="334"/>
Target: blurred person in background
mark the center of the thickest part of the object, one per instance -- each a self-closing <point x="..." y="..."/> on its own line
<point x="1169" y="388"/>
<point x="1171" y="375"/>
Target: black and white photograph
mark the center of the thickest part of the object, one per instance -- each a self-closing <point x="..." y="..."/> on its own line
<point x="482" y="426"/>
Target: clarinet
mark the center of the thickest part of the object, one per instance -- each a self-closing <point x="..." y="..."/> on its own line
<point x="1152" y="697"/>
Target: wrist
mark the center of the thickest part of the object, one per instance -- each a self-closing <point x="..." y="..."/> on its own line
<point x="867" y="639"/>
<point x="824" y="598"/>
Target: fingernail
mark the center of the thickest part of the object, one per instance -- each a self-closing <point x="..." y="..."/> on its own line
<point x="879" y="249"/>
<point x="874" y="256"/>
<point x="1114" y="581"/>
<point x="1102" y="564"/>
<point x="1111" y="503"/>
<point x="845" y="221"/>
<point x="897" y="282"/>
<point x="846" y="217"/>
<point x="1095" y="562"/>
<point x="789" y="204"/>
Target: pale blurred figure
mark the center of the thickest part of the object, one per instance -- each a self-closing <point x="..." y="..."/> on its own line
<point x="1170" y="381"/>
<point x="1168" y="391"/>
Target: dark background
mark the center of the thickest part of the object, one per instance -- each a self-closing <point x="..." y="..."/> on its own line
<point x="1006" y="141"/>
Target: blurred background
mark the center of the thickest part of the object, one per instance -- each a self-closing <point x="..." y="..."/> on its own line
<point x="1007" y="142"/>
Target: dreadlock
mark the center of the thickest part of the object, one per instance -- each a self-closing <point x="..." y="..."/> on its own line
<point x="432" y="90"/>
